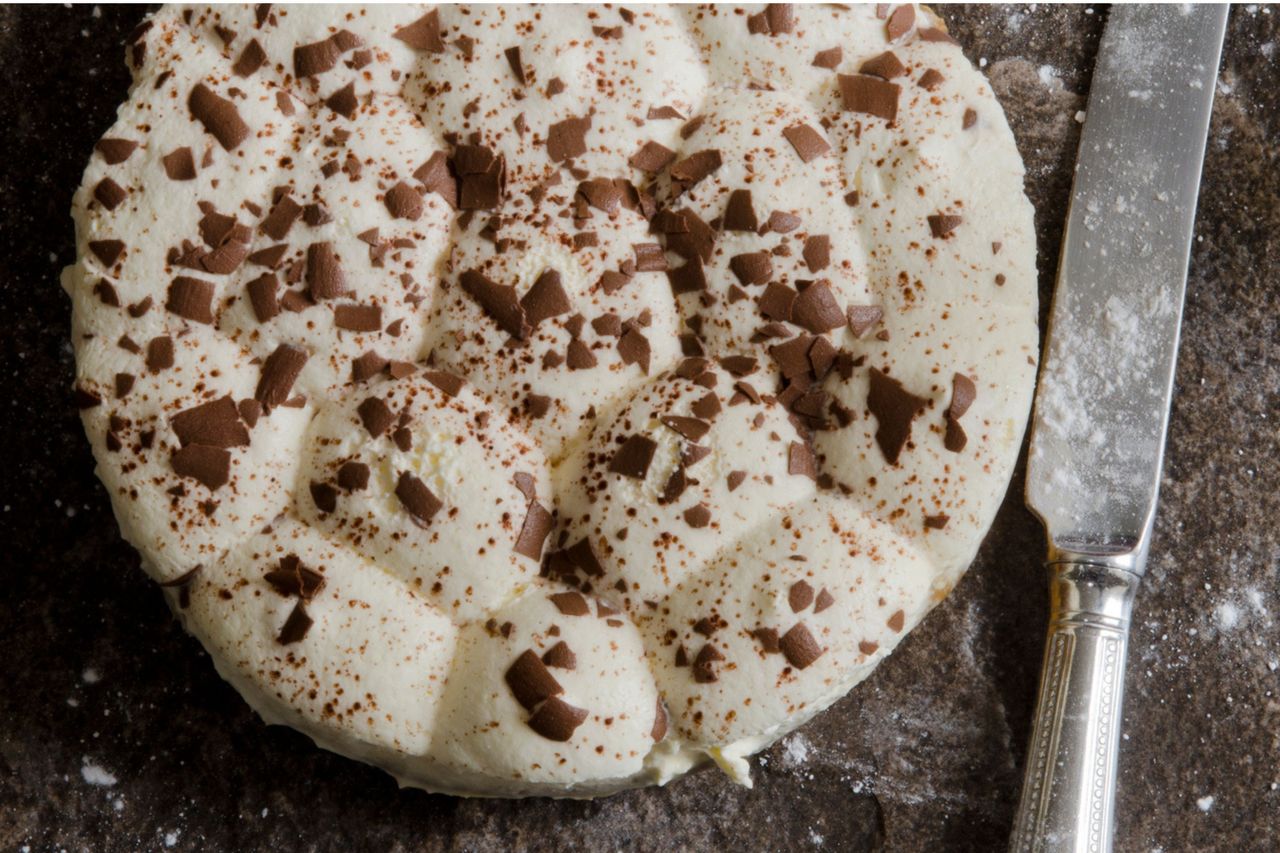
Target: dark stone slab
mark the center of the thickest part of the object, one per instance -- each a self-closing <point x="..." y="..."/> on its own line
<point x="923" y="756"/>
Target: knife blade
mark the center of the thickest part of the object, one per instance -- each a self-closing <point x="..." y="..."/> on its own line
<point x="1102" y="406"/>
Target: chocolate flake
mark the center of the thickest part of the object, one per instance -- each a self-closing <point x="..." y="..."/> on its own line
<point x="570" y="603"/>
<point x="752" y="267"/>
<point x="824" y="600"/>
<point x="160" y="353"/>
<point x="210" y="466"/>
<point x="829" y="58"/>
<point x="375" y="415"/>
<point x="942" y="224"/>
<point x="436" y="177"/>
<point x="931" y="79"/>
<point x="704" y="664"/>
<point x="649" y="257"/>
<point x="815" y="309"/>
<point x="693" y="169"/>
<point x="192" y="299"/>
<point x="263" y="296"/>
<point x="537" y="524"/>
<point x="530" y="681"/>
<point x="866" y="94"/>
<point x="324" y="277"/>
<point x="296" y="626"/>
<point x="863" y="318"/>
<point x="894" y="407"/>
<point x="633" y="457"/>
<point x="279" y="372"/>
<point x="250" y="60"/>
<point x="517" y="66"/>
<point x="545" y="299"/>
<point x="633" y="347"/>
<point x="736" y="479"/>
<point x="807" y="142"/>
<point x="281" y="217"/>
<point x="900" y="21"/>
<point x="799" y="647"/>
<point x="109" y="194"/>
<point x="114" y="150"/>
<point x="179" y="164"/>
<point x="498" y="301"/>
<point x="560" y="656"/>
<point x="817" y="253"/>
<point x="357" y="318"/>
<point x="219" y="117"/>
<point x="403" y="202"/>
<point x="970" y="118"/>
<point x="353" y="476"/>
<point x="800" y="460"/>
<point x="652" y="157"/>
<point x="659" y="730"/>
<point x="739" y="215"/>
<point x="422" y="34"/>
<point x="567" y="139"/>
<point x="936" y="522"/>
<point x="692" y="429"/>
<point x="697" y="516"/>
<point x="557" y="720"/>
<point x="799" y="596"/>
<point x="420" y="501"/>
<point x="886" y="66"/>
<point x="294" y="579"/>
<point x="213" y="424"/>
<point x="107" y="251"/>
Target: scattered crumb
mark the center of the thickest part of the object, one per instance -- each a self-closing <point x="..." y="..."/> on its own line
<point x="1205" y="803"/>
<point x="95" y="774"/>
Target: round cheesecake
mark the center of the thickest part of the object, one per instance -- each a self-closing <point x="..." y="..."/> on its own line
<point x="547" y="400"/>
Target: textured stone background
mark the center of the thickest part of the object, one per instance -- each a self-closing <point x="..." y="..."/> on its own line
<point x="97" y="683"/>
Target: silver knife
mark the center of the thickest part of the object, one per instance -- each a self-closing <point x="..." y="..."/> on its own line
<point x="1102" y="407"/>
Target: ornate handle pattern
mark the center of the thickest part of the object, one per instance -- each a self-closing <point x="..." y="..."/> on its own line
<point x="1068" y="795"/>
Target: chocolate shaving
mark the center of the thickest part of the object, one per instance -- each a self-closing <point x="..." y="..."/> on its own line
<point x="375" y="415"/>
<point x="422" y="34"/>
<point x="704" y="664"/>
<point x="894" y="407"/>
<point x="693" y="169"/>
<point x="517" y="66"/>
<point x="250" y="60"/>
<point x="652" y="157"/>
<point x="295" y="627"/>
<point x="557" y="720"/>
<point x="107" y="251"/>
<point x="829" y="58"/>
<point x="179" y="164"/>
<point x="279" y="372"/>
<point x="739" y="215"/>
<point x="403" y="202"/>
<point x="800" y="460"/>
<point x="799" y="647"/>
<point x="324" y="277"/>
<point x="263" y="296"/>
<point x="570" y="603"/>
<point x="936" y="522"/>
<point x="931" y="79"/>
<point x="420" y="501"/>
<point x="799" y="596"/>
<point x="942" y="224"/>
<point x="567" y="139"/>
<point x="357" y="318"/>
<point x="900" y="21"/>
<point x="160" y="354"/>
<point x="353" y="476"/>
<point x="752" y="267"/>
<point x="499" y="301"/>
<point x="530" y="681"/>
<point x="807" y="142"/>
<point x="213" y="424"/>
<point x="114" y="150"/>
<point x="697" y="516"/>
<point x="815" y="309"/>
<point x="886" y="66"/>
<point x="537" y="524"/>
<point x="281" y="217"/>
<point x="109" y="194"/>
<point x="545" y="299"/>
<point x="210" y="466"/>
<point x="192" y="299"/>
<point x="863" y="318"/>
<point x="634" y="348"/>
<point x="866" y="94"/>
<point x="481" y="177"/>
<point x="560" y="656"/>
<point x="817" y="252"/>
<point x="294" y="579"/>
<point x="436" y="177"/>
<point x="691" y="428"/>
<point x="633" y="457"/>
<point x="736" y="479"/>
<point x="219" y="117"/>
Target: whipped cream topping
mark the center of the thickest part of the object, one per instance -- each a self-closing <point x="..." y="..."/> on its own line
<point x="546" y="400"/>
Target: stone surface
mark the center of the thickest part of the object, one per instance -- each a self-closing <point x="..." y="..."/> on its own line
<point x="116" y="734"/>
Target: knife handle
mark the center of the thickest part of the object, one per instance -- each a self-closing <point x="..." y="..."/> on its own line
<point x="1068" y="794"/>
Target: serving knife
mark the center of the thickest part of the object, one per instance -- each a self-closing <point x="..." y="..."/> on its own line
<point x="1102" y="406"/>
